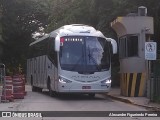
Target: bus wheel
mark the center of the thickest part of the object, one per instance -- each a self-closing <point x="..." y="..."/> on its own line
<point x="49" y="88"/>
<point x="34" y="89"/>
<point x="39" y="89"/>
<point x="91" y="95"/>
<point x="50" y="92"/>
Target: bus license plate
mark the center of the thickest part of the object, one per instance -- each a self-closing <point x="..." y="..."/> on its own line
<point x="86" y="87"/>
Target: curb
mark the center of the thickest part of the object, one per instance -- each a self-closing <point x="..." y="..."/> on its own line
<point x="120" y="99"/>
<point x="133" y="103"/>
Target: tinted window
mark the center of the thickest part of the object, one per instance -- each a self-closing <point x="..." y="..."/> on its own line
<point x="84" y="54"/>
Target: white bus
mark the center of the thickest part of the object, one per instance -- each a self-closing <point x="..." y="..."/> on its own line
<point x="72" y="59"/>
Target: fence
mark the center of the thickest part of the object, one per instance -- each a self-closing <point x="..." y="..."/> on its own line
<point x="2" y="77"/>
<point x="156" y="81"/>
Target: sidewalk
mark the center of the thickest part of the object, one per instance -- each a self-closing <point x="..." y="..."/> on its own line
<point x="139" y="101"/>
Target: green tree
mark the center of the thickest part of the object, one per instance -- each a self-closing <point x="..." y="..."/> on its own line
<point x="20" y="19"/>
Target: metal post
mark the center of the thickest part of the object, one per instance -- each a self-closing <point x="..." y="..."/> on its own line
<point x="150" y="82"/>
<point x="149" y="75"/>
<point x="143" y="37"/>
<point x="149" y="78"/>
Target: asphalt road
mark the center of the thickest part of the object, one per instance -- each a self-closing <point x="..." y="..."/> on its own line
<point x="35" y="101"/>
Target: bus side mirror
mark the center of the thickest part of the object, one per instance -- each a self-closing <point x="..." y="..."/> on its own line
<point x="114" y="45"/>
<point x="57" y="43"/>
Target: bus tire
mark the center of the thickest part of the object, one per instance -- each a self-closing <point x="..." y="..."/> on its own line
<point x="92" y="95"/>
<point x="34" y="89"/>
<point x="50" y="92"/>
<point x="39" y="89"/>
<point x="49" y="87"/>
<point x="31" y="80"/>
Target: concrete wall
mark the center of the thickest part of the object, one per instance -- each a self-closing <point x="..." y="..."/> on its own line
<point x="132" y="25"/>
<point x="137" y="25"/>
<point x="133" y="70"/>
<point x="132" y="65"/>
<point x="1" y="41"/>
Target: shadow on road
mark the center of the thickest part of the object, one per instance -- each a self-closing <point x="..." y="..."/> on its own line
<point x="78" y="96"/>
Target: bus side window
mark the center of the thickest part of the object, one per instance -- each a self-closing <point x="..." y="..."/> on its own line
<point x="51" y="52"/>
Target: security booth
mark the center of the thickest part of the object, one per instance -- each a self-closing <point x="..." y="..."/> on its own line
<point x="133" y="31"/>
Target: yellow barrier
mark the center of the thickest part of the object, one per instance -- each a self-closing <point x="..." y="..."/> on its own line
<point x="132" y="84"/>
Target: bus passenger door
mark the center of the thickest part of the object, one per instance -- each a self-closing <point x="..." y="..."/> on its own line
<point x="56" y="78"/>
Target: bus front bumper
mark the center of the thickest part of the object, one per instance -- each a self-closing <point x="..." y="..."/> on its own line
<point x="83" y="88"/>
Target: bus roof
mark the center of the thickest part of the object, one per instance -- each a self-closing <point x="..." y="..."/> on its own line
<point x="78" y="30"/>
<point x="40" y="39"/>
<point x="72" y="30"/>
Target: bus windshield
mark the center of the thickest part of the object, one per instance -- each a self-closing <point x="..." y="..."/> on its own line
<point x="84" y="54"/>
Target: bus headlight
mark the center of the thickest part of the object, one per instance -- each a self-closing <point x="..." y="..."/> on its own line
<point x="63" y="80"/>
<point x="106" y="81"/>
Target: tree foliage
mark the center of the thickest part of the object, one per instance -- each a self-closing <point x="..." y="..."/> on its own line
<point x="21" y="18"/>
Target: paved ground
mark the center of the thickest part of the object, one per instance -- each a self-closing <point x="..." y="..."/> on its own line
<point x="43" y="102"/>
<point x="139" y="101"/>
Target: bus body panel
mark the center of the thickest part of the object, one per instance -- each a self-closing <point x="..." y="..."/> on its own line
<point x="36" y="71"/>
<point x="52" y="74"/>
<point x="43" y="69"/>
<point x="80" y="81"/>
